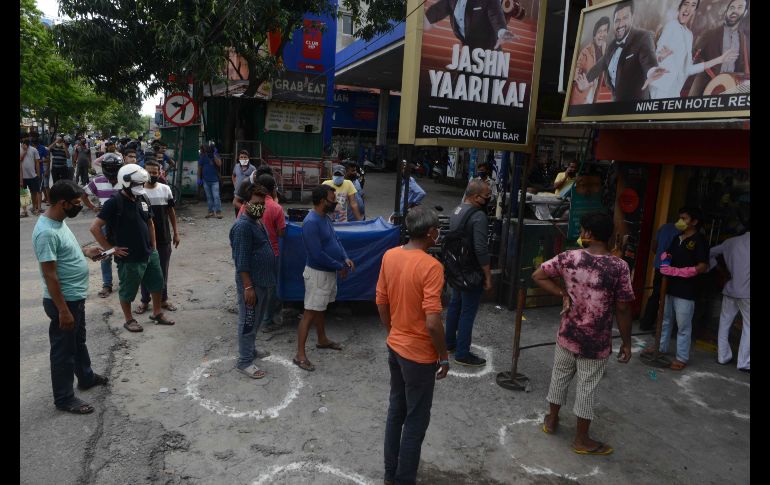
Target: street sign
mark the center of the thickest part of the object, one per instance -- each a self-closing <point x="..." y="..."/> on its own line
<point x="179" y="109"/>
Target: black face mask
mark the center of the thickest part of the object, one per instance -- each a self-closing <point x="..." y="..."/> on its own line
<point x="329" y="207"/>
<point x="73" y="211"/>
<point x="153" y="179"/>
<point x="483" y="175"/>
<point x="353" y="177"/>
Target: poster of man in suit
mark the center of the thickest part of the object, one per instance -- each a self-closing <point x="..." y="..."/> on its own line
<point x="477" y="71"/>
<point x="662" y="59"/>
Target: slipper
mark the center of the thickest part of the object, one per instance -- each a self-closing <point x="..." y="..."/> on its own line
<point x="159" y="319"/>
<point x="209" y="215"/>
<point x="168" y="306"/>
<point x="595" y="451"/>
<point x="330" y="345"/>
<point x="140" y="308"/>
<point x="105" y="291"/>
<point x="219" y="215"/>
<point x="647" y="352"/>
<point x="545" y="428"/>
<point x="304" y="364"/>
<point x="77" y="406"/>
<point x="98" y="381"/>
<point x="678" y="365"/>
<point x="252" y="371"/>
<point x="133" y="326"/>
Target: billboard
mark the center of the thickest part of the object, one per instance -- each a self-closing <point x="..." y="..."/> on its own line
<point x="661" y="59"/>
<point x="470" y="74"/>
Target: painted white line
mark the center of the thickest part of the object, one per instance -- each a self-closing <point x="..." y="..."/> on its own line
<point x="487" y="368"/>
<point x="275" y="471"/>
<point x="539" y="470"/>
<point x="685" y="382"/>
<point x="217" y="407"/>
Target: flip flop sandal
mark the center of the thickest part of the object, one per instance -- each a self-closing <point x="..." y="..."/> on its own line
<point x="304" y="364"/>
<point x="595" y="451"/>
<point x="133" y="326"/>
<point x="141" y="308"/>
<point x="209" y="215"/>
<point x="105" y="291"/>
<point x="160" y="319"/>
<point x="330" y="345"/>
<point x="168" y="306"/>
<point x="252" y="371"/>
<point x="553" y="431"/>
<point x="77" y="406"/>
<point x="677" y="365"/>
<point x="98" y="381"/>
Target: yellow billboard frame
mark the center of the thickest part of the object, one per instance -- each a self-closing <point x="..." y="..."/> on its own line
<point x="631" y="117"/>
<point x="410" y="84"/>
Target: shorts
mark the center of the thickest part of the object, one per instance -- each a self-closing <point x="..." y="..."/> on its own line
<point x="33" y="184"/>
<point x="320" y="288"/>
<point x="132" y="274"/>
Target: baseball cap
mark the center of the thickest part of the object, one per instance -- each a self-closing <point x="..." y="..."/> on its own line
<point x="338" y="170"/>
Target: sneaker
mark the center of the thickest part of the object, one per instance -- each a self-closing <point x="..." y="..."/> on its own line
<point x="471" y="361"/>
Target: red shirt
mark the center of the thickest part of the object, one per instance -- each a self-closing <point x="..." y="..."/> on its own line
<point x="273" y="219"/>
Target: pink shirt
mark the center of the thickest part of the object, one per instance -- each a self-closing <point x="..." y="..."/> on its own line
<point x="595" y="284"/>
<point x="273" y="219"/>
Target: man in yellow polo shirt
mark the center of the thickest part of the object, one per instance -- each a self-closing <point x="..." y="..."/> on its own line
<point x="345" y="193"/>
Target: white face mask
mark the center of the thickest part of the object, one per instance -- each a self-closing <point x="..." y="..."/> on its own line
<point x="244" y="161"/>
<point x="138" y="190"/>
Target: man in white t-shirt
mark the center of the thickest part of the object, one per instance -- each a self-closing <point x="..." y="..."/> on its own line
<point x="346" y="195"/>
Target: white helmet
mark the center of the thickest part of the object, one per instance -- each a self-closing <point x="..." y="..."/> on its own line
<point x="132" y="175"/>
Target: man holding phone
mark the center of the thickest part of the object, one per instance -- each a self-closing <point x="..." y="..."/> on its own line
<point x="64" y="271"/>
<point x="597" y="286"/>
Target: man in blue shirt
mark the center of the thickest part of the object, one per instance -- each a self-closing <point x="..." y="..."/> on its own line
<point x="208" y="176"/>
<point x="666" y="233"/>
<point x="325" y="257"/>
<point x="64" y="271"/>
<point x="254" y="273"/>
<point x="416" y="193"/>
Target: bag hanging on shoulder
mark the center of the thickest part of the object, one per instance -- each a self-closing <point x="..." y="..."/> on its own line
<point x="461" y="267"/>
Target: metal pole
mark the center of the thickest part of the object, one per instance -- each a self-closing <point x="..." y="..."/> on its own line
<point x="520" y="224"/>
<point x="512" y="380"/>
<point x="178" y="171"/>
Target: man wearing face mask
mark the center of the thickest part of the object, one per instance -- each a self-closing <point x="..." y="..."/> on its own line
<point x="565" y="180"/>
<point x="686" y="258"/>
<point x="131" y="232"/>
<point x="163" y="214"/>
<point x="483" y="171"/>
<point x="464" y="303"/>
<point x="241" y="172"/>
<point x="325" y="257"/>
<point x="64" y="271"/>
<point x="351" y="173"/>
<point x="255" y="270"/>
<point x="345" y="194"/>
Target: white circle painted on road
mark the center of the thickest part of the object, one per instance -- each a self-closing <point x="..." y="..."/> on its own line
<point x="215" y="406"/>
<point x="278" y="470"/>
<point x="540" y="470"/>
<point x="487" y="352"/>
<point x="685" y="382"/>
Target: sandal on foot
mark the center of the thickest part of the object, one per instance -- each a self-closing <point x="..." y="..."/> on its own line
<point x="252" y="371"/>
<point x="77" y="406"/>
<point x="97" y="381"/>
<point x="601" y="449"/>
<point x="304" y="364"/>
<point x="168" y="306"/>
<point x="209" y="215"/>
<point x="133" y="326"/>
<point x="140" y="308"/>
<point x="329" y="345"/>
<point x="545" y="426"/>
<point x="105" y="291"/>
<point x="160" y="319"/>
<point x="678" y="365"/>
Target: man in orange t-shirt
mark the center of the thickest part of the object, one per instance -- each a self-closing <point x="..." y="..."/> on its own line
<point x="409" y="301"/>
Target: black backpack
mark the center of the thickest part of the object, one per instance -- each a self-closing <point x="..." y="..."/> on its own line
<point x="461" y="267"/>
<point x="113" y="225"/>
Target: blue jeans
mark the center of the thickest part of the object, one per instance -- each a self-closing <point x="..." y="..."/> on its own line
<point x="212" y="196"/>
<point x="684" y="310"/>
<point x="249" y="321"/>
<point x="69" y="354"/>
<point x="411" y="397"/>
<point x="460" y="315"/>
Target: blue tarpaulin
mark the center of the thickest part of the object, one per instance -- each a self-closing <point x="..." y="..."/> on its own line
<point x="364" y="241"/>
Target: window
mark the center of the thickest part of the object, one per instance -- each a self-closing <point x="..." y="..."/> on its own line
<point x="347" y="24"/>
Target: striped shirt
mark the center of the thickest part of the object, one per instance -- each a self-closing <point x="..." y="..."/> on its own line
<point x="101" y="188"/>
<point x="58" y="156"/>
<point x="252" y="252"/>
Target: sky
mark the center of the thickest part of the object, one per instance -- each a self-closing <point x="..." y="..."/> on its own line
<point x="50" y="8"/>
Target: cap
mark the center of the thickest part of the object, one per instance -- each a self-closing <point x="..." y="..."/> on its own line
<point x="338" y="169"/>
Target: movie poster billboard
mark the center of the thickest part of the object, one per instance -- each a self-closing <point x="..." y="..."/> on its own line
<point x="661" y="59"/>
<point x="471" y="74"/>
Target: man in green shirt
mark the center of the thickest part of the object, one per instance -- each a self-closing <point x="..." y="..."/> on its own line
<point x="64" y="271"/>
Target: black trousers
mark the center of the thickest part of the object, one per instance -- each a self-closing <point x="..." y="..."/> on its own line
<point x="647" y="322"/>
<point x="58" y="173"/>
